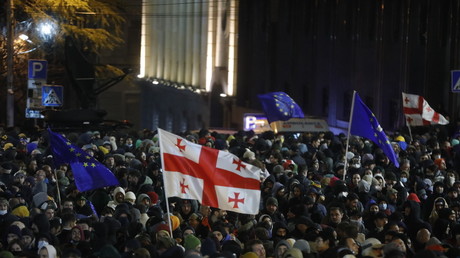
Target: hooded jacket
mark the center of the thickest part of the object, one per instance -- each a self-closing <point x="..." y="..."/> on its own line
<point x="413" y="219"/>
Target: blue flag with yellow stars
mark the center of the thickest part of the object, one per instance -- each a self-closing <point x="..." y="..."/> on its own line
<point x="278" y="106"/>
<point x="89" y="173"/>
<point x="365" y="124"/>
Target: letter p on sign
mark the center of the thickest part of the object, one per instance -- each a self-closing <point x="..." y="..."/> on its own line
<point x="37" y="69"/>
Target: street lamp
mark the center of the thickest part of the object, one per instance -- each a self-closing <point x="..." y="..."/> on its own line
<point x="46" y="30"/>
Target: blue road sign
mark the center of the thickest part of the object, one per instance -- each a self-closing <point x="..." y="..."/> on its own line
<point x="52" y="96"/>
<point x="37" y="69"/>
<point x="455" y="81"/>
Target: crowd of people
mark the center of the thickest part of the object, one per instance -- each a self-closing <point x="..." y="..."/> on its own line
<point x="317" y="200"/>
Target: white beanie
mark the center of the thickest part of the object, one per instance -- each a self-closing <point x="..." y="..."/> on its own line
<point x="249" y="154"/>
<point x="130" y="196"/>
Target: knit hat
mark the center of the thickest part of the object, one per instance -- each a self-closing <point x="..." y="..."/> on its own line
<point x="8" y="254"/>
<point x="141" y="198"/>
<point x="79" y="229"/>
<point x="278" y="169"/>
<point x="20" y="173"/>
<point x="249" y="255"/>
<point x="13" y="229"/>
<point x="263" y="216"/>
<point x="27" y="232"/>
<point x="293" y="252"/>
<point x="130" y="196"/>
<point x="271" y="201"/>
<point x="175" y="222"/>
<point x="196" y="216"/>
<point x="392" y="191"/>
<point x="367" y="157"/>
<point x="248" y="154"/>
<point x="191" y="242"/>
<point x="129" y="155"/>
<point x="390" y="176"/>
<point x="162" y="227"/>
<point x="291" y="241"/>
<point x="21" y="211"/>
<point x="153" y="197"/>
<point x="302" y="245"/>
<point x="364" y="186"/>
<point x="371" y="243"/>
<point x="368" y="179"/>
<point x="413" y="197"/>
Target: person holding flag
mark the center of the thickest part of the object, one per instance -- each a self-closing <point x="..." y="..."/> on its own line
<point x="364" y="123"/>
<point x="89" y="173"/>
<point x="215" y="178"/>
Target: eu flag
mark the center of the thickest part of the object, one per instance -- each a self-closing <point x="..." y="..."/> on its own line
<point x="88" y="172"/>
<point x="365" y="124"/>
<point x="278" y="106"/>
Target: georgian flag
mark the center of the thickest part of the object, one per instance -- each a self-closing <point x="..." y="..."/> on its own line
<point x="215" y="178"/>
<point x="418" y="112"/>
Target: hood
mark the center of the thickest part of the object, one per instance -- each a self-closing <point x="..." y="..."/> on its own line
<point x="414" y="211"/>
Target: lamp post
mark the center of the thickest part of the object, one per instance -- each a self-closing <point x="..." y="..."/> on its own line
<point x="10" y="73"/>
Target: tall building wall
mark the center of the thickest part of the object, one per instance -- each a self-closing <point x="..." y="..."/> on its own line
<point x="320" y="51"/>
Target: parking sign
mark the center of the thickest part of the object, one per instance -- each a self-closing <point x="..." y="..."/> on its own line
<point x="37" y="69"/>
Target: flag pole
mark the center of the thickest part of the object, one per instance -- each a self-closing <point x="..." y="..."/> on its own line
<point x="58" y="190"/>
<point x="164" y="185"/>
<point x="410" y="133"/>
<point x="405" y="120"/>
<point x="348" y="136"/>
<point x="167" y="211"/>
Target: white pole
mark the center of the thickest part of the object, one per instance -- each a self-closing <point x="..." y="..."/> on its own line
<point x="410" y="133"/>
<point x="164" y="184"/>
<point x="348" y="136"/>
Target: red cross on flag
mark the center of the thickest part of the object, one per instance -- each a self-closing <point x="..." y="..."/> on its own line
<point x="418" y="112"/>
<point x="215" y="178"/>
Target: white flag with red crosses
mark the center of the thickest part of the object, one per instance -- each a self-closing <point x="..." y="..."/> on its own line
<point x="215" y="178"/>
<point x="418" y="112"/>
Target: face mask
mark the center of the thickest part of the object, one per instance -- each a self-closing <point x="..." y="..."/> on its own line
<point x="41" y="244"/>
<point x="355" y="221"/>
<point x="404" y="179"/>
<point x="383" y="206"/>
<point x="343" y="194"/>
<point x="356" y="165"/>
<point x="3" y="212"/>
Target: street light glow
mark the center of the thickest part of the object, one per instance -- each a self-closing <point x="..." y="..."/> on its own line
<point x="24" y="37"/>
<point x="46" y="29"/>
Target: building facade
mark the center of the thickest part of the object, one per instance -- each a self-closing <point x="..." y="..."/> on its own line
<point x="216" y="56"/>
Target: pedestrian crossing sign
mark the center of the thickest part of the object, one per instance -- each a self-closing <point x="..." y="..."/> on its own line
<point x="52" y="96"/>
<point x="455" y="81"/>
